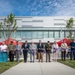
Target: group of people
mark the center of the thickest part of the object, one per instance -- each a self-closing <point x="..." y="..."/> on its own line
<point x="10" y="51"/>
<point x="39" y="50"/>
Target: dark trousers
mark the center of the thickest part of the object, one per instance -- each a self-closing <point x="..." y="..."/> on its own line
<point x="63" y="55"/>
<point x="72" y="55"/>
<point x="25" y="53"/>
<point x="11" y="56"/>
<point x="48" y="56"/>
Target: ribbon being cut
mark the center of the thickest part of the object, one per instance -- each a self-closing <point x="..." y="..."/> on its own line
<point x="54" y="50"/>
<point x="63" y="49"/>
<point x="26" y="49"/>
<point x="43" y="50"/>
<point x="32" y="51"/>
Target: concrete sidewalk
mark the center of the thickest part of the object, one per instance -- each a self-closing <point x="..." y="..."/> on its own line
<point x="52" y="68"/>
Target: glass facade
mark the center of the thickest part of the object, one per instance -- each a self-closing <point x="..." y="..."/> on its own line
<point x="56" y="34"/>
<point x="1" y="34"/>
<point x="13" y="34"/>
<point x="62" y="35"/>
<point x="73" y="34"/>
<point x="23" y="34"/>
<point x="45" y="34"/>
<point x="29" y="35"/>
<point x="66" y="34"/>
<point x="18" y="34"/>
<point x="40" y="34"/>
<point x="35" y="34"/>
<point x="51" y="34"/>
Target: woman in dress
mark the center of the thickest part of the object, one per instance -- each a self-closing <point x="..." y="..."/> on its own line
<point x="55" y="51"/>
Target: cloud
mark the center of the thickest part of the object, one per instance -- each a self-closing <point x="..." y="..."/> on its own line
<point x="67" y="10"/>
<point x="5" y="8"/>
<point x="38" y="7"/>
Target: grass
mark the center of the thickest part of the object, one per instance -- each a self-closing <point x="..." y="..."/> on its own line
<point x="7" y="65"/>
<point x="68" y="62"/>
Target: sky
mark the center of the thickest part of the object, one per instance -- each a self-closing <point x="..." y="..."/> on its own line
<point x="37" y="7"/>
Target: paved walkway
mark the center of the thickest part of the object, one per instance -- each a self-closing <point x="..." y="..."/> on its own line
<point x="52" y="68"/>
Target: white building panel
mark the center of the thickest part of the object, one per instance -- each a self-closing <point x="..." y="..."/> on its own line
<point x="48" y="22"/>
<point x="19" y="23"/>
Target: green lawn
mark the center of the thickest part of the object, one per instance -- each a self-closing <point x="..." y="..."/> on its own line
<point x="68" y="62"/>
<point x="7" y="65"/>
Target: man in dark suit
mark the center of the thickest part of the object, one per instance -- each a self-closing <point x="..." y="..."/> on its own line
<point x="48" y="51"/>
<point x="72" y="53"/>
<point x="25" y="48"/>
<point x="40" y="51"/>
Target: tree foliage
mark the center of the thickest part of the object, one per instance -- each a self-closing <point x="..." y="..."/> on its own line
<point x="0" y="29"/>
<point x="70" y="26"/>
<point x="8" y="26"/>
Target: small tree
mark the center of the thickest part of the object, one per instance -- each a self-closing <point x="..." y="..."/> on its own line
<point x="0" y="29"/>
<point x="70" y="26"/>
<point x="8" y="26"/>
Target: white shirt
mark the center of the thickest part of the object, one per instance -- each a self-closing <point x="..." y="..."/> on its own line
<point x="64" y="45"/>
<point x="55" y="46"/>
<point x="3" y="48"/>
<point x="25" y="45"/>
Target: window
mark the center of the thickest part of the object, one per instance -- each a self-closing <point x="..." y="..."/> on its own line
<point x="13" y="34"/>
<point x="61" y="34"/>
<point x="50" y="34"/>
<point x="1" y="34"/>
<point x="73" y="34"/>
<point x="34" y="35"/>
<point x="46" y="34"/>
<point x="66" y="34"/>
<point x="40" y="34"/>
<point x="56" y="34"/>
<point x="18" y="33"/>
<point x="29" y="35"/>
<point x="24" y="34"/>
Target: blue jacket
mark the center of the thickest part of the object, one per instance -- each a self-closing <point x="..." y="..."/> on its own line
<point x="72" y="44"/>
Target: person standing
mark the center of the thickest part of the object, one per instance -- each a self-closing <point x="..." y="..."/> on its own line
<point x="11" y="49"/>
<point x="55" y="51"/>
<point x="63" y="50"/>
<point x="48" y="51"/>
<point x="18" y="51"/>
<point x="40" y="48"/>
<point x="72" y="53"/>
<point x="4" y="52"/>
<point x="4" y="47"/>
<point x="1" y="54"/>
<point x="0" y="48"/>
<point x="25" y="48"/>
<point x="32" y="52"/>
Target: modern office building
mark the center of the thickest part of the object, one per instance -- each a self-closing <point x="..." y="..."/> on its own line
<point x="34" y="28"/>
